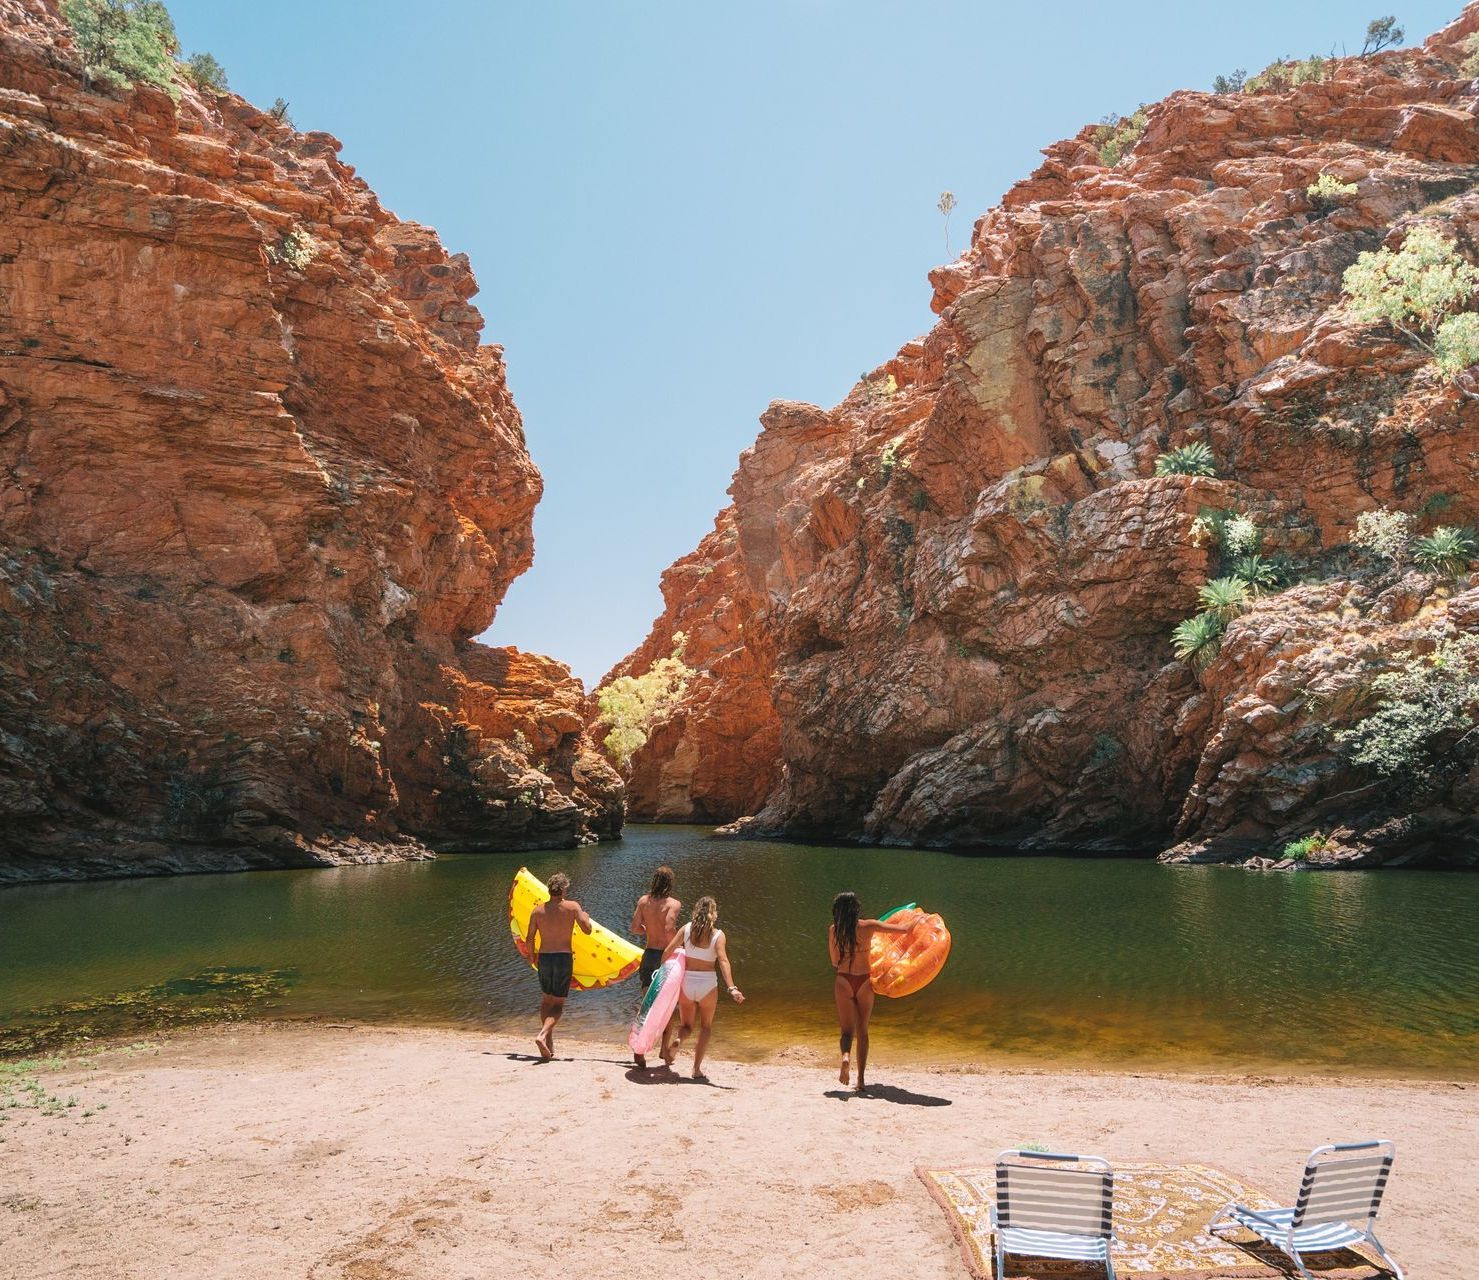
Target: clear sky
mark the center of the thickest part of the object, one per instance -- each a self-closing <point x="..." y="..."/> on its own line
<point x="679" y="210"/>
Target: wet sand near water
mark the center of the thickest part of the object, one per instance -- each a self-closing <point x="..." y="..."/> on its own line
<point x="344" y="1153"/>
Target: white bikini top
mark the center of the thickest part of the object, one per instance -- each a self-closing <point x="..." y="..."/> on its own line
<point x="696" y="952"/>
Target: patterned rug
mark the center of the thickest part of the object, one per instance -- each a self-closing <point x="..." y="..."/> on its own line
<point x="1160" y="1218"/>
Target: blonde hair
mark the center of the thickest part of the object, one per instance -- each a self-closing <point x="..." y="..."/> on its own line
<point x="559" y="885"/>
<point x="701" y="924"/>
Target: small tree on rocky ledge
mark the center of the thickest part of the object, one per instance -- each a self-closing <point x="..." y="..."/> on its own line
<point x="1382" y="33"/>
<point x="205" y="73"/>
<point x="124" y="41"/>
<point x="1423" y="291"/>
<point x="632" y="705"/>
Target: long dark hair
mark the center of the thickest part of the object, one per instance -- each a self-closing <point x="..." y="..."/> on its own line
<point x="845" y="924"/>
<point x="662" y="883"/>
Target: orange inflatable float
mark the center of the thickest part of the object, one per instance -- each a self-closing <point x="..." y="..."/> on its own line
<point x="899" y="964"/>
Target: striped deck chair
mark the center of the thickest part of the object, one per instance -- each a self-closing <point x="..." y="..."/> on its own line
<point x="1053" y="1206"/>
<point x="1342" y="1185"/>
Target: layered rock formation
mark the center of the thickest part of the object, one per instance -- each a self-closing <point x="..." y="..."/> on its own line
<point x="259" y="486"/>
<point x="956" y="588"/>
<point x="718" y="755"/>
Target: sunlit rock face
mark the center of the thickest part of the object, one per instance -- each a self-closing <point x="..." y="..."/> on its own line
<point x="947" y="601"/>
<point x="260" y="484"/>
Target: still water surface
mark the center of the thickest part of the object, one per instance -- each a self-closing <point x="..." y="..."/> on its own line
<point x="1055" y="960"/>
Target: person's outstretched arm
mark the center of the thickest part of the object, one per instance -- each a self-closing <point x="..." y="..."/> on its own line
<point x="725" y="970"/>
<point x="584" y="921"/>
<point x="637" y="926"/>
<point x="674" y="943"/>
<point x="884" y="925"/>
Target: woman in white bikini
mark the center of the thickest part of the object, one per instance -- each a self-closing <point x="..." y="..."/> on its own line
<point x="707" y="960"/>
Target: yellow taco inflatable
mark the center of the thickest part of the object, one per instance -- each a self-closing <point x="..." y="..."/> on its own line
<point x="600" y="957"/>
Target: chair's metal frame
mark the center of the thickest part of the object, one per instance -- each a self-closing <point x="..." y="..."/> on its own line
<point x="1089" y="1162"/>
<point x="1282" y="1235"/>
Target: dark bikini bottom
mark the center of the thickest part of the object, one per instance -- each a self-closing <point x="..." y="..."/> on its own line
<point x="854" y="980"/>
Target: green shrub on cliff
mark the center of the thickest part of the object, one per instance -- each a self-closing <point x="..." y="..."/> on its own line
<point x="1425" y="730"/>
<point x="1456" y="345"/>
<point x="1470" y="65"/>
<point x="1383" y="535"/>
<point x="1285" y="73"/>
<point x="123" y="42"/>
<point x="1224" y="598"/>
<point x="1422" y="291"/>
<point x="1193" y="459"/>
<point x="295" y="249"/>
<point x="1118" y="134"/>
<point x="205" y="73"/>
<point x="632" y="705"/>
<point x="1300" y="850"/>
<point x="1448" y="550"/>
<point x="1259" y="573"/>
<point x="1327" y="190"/>
<point x="1197" y="639"/>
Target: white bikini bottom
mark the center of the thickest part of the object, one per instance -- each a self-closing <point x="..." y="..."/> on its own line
<point x="696" y="985"/>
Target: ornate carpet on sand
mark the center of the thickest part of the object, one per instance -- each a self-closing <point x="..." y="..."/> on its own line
<point x="1160" y="1218"/>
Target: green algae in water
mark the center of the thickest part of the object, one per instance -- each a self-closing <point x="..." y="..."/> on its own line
<point x="212" y="995"/>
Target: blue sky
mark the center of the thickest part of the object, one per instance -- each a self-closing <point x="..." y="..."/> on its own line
<point x="678" y="212"/>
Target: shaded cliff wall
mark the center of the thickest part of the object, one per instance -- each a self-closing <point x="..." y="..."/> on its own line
<point x="260" y="484"/>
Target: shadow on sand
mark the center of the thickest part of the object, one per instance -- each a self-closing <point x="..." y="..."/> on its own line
<point x="534" y="1057"/>
<point x="666" y="1075"/>
<point x="890" y="1093"/>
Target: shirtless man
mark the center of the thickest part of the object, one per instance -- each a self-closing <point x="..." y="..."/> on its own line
<point x="554" y="922"/>
<point x="656" y="919"/>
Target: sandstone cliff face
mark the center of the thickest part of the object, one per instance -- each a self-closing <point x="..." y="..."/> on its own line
<point x="957" y="586"/>
<point x="252" y="507"/>
<point x="718" y="755"/>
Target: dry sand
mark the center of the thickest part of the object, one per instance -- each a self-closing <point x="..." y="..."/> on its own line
<point x="379" y="1154"/>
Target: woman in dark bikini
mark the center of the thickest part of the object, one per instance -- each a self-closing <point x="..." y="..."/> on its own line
<point x="847" y="944"/>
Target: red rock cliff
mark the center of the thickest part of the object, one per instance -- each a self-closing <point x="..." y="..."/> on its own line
<point x="954" y="591"/>
<point x="257" y="493"/>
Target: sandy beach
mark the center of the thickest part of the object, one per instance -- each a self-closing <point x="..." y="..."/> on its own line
<point x="363" y="1153"/>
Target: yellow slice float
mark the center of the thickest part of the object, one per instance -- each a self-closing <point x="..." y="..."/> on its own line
<point x="600" y="957"/>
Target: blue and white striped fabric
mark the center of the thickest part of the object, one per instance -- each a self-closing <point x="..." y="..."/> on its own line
<point x="1343" y="1184"/>
<point x="1053" y="1205"/>
<point x="1053" y="1244"/>
<point x="1273" y="1226"/>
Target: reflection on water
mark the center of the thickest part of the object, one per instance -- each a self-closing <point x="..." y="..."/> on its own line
<point x="1055" y="960"/>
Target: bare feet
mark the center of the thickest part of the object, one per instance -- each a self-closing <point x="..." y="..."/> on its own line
<point x="860" y="1087"/>
<point x="699" y="1078"/>
<point x="845" y="1075"/>
<point x="668" y="1054"/>
<point x="545" y="1052"/>
<point x="641" y="1061"/>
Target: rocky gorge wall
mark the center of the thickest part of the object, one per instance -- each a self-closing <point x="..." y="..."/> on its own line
<point x="260" y="484"/>
<point x="940" y="612"/>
